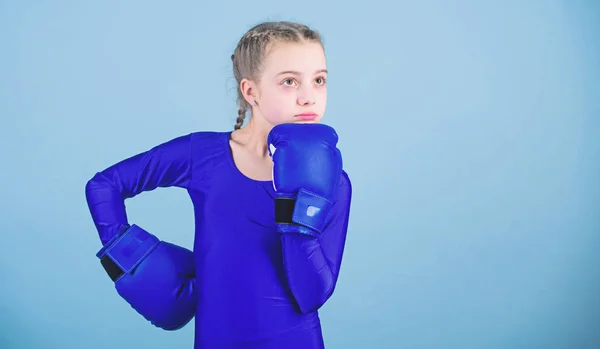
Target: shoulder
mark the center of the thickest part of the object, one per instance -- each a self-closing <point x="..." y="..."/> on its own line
<point x="207" y="142"/>
<point x="202" y="138"/>
<point x="345" y="180"/>
<point x="199" y="142"/>
<point x="209" y="137"/>
<point x="209" y="151"/>
<point x="345" y="186"/>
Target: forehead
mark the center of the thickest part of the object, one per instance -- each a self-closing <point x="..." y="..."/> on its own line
<point x="305" y="57"/>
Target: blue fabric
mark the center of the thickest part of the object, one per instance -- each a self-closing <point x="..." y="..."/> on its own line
<point x="257" y="288"/>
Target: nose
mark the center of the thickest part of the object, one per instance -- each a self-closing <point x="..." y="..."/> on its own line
<point x="306" y="96"/>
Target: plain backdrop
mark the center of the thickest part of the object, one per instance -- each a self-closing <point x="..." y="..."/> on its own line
<point x="470" y="130"/>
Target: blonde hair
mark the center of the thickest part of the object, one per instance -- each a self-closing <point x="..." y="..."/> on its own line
<point x="250" y="52"/>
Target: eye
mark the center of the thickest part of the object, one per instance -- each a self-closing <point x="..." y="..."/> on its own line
<point x="290" y="81"/>
<point x="321" y="80"/>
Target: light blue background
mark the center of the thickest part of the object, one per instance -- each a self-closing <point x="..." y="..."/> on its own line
<point x="471" y="131"/>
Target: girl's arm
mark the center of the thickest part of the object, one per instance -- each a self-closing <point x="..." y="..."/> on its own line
<point x="312" y="263"/>
<point x="155" y="277"/>
<point x="165" y="165"/>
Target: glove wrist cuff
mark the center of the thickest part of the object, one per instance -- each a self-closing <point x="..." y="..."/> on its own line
<point x="284" y="210"/>
<point x="126" y="251"/>
<point x="307" y="210"/>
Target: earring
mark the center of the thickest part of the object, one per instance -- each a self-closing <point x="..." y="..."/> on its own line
<point x="255" y="103"/>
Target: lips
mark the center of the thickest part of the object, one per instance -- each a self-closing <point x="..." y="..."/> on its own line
<point x="307" y="116"/>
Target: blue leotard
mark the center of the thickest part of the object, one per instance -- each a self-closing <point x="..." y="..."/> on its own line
<point x="257" y="289"/>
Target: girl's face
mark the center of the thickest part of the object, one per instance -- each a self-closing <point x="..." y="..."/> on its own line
<point x="292" y="86"/>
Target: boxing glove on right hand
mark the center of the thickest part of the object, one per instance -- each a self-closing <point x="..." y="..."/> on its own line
<point x="155" y="277"/>
<point x="307" y="169"/>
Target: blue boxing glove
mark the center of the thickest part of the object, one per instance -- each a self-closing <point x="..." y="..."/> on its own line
<point x="155" y="277"/>
<point x="306" y="174"/>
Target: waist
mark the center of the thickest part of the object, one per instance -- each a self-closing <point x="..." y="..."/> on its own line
<point x="251" y="320"/>
<point x="306" y="334"/>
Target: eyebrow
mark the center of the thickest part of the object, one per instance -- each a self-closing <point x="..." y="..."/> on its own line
<point x="298" y="73"/>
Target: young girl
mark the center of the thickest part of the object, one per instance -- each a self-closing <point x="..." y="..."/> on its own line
<point x="271" y="205"/>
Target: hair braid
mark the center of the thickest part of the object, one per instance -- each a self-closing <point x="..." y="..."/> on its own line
<point x="240" y="119"/>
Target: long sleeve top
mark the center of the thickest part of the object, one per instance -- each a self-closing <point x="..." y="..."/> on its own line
<point x="256" y="288"/>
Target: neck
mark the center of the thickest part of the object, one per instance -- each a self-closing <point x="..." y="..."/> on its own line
<point x="253" y="136"/>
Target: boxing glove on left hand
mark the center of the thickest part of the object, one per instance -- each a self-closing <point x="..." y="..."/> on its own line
<point x="156" y="278"/>
<point x="306" y="174"/>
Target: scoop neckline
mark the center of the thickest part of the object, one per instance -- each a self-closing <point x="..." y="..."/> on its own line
<point x="231" y="162"/>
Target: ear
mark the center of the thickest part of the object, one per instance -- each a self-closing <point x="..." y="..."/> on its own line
<point x="249" y="91"/>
